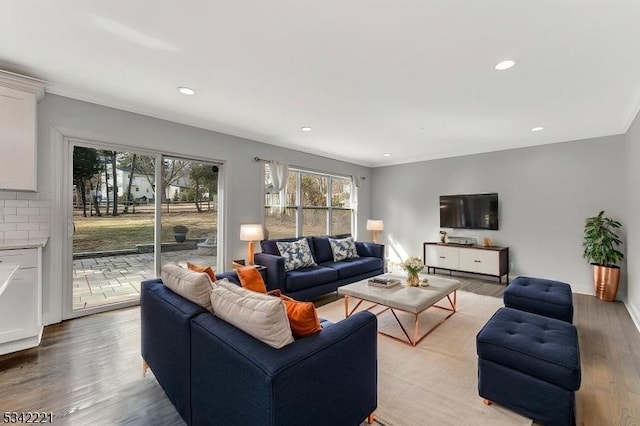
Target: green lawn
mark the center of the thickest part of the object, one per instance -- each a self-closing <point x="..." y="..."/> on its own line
<point x="125" y="231"/>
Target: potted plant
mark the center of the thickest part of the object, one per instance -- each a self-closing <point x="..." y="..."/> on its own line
<point x="600" y="242"/>
<point x="180" y="233"/>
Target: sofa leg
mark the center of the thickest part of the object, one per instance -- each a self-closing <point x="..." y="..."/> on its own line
<point x="485" y="401"/>
<point x="145" y="367"/>
<point x="371" y="418"/>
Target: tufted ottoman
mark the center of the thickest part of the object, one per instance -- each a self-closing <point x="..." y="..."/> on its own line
<point x="539" y="296"/>
<point x="529" y="364"/>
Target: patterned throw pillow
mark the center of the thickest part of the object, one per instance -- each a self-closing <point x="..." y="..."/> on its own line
<point x="297" y="254"/>
<point x="342" y="249"/>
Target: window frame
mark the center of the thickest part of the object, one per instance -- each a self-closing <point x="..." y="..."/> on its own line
<point x="299" y="207"/>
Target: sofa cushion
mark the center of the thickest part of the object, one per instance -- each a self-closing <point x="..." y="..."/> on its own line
<point x="356" y="266"/>
<point x="261" y="316"/>
<point x="270" y="246"/>
<point x="342" y="249"/>
<point x="192" y="285"/>
<point x="251" y="279"/>
<point x="203" y="268"/>
<point x="296" y="254"/>
<point x="322" y="249"/>
<point x="303" y="317"/>
<point x="309" y="277"/>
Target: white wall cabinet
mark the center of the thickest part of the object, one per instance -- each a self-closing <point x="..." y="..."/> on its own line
<point x="19" y="97"/>
<point x="492" y="261"/>
<point x="21" y="301"/>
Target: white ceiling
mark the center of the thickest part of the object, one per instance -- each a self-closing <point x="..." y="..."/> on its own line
<point x="414" y="78"/>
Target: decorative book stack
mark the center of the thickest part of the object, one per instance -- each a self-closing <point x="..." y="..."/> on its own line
<point x="384" y="282"/>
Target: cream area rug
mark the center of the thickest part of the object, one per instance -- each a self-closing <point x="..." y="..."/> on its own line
<point x="435" y="382"/>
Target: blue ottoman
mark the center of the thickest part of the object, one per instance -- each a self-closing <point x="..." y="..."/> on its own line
<point x="539" y="296"/>
<point x="530" y="364"/>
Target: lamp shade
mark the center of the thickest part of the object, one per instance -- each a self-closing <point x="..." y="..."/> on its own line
<point x="251" y="232"/>
<point x="375" y="225"/>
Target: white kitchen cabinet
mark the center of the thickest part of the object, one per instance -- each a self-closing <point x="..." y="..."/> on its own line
<point x="21" y="301"/>
<point x="19" y="97"/>
<point x="492" y="261"/>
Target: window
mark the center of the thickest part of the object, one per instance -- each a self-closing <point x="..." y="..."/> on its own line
<point x="313" y="203"/>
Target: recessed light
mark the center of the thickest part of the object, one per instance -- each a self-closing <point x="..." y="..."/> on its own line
<point x="186" y="91"/>
<point x="505" y="65"/>
<point x="537" y="129"/>
<point x="306" y="128"/>
<point x="386" y="154"/>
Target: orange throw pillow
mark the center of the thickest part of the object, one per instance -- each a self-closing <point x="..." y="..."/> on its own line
<point x="199" y="268"/>
<point x="251" y="279"/>
<point x="303" y="317"/>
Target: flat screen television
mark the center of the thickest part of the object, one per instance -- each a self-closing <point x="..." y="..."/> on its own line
<point x="469" y="211"/>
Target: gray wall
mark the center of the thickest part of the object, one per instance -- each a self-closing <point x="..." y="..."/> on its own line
<point x="632" y="220"/>
<point x="545" y="193"/>
<point x="243" y="175"/>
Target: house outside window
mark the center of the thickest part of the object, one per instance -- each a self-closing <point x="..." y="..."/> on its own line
<point x="314" y="203"/>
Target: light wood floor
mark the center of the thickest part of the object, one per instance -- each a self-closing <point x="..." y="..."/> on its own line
<point x="88" y="370"/>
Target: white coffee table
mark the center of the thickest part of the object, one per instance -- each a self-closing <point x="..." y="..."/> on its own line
<point x="412" y="300"/>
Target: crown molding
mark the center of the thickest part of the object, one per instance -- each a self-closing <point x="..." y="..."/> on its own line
<point x="23" y="83"/>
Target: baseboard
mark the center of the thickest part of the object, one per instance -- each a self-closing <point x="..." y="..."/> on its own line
<point x="588" y="290"/>
<point x="634" y="313"/>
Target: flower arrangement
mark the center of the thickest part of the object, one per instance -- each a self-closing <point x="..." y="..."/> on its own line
<point x="412" y="265"/>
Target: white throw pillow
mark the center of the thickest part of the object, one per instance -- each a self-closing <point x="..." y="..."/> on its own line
<point x="261" y="316"/>
<point x="192" y="285"/>
<point x="342" y="249"/>
<point x="296" y="254"/>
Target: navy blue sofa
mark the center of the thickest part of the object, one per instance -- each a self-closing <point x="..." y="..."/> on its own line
<point x="311" y="282"/>
<point x="214" y="373"/>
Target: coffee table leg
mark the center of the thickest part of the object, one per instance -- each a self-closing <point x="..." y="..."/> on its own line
<point x="346" y="306"/>
<point x="455" y="300"/>
<point x="416" y="332"/>
<point x="347" y="312"/>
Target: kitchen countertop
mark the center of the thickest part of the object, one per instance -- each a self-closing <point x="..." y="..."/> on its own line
<point x="22" y="243"/>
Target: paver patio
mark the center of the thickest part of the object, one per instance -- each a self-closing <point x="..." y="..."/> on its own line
<point x="105" y="280"/>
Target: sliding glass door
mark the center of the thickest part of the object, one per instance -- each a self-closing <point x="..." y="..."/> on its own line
<point x="121" y="230"/>
<point x="189" y="212"/>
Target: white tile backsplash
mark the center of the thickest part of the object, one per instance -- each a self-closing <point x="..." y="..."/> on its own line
<point x="27" y="226"/>
<point x="16" y="235"/>
<point x="16" y="219"/>
<point x="8" y="226"/>
<point x="24" y="215"/>
<point x="29" y="211"/>
<point x="38" y="218"/>
<point x="28" y="196"/>
<point x="16" y="203"/>
<point x="7" y="195"/>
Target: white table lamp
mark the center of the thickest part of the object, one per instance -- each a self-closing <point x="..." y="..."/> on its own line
<point x="375" y="226"/>
<point x="251" y="232"/>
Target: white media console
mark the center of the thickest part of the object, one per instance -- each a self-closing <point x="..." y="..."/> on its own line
<point x="493" y="261"/>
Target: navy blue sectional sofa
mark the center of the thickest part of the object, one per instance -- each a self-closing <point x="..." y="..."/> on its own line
<point x="214" y="373"/>
<point x="310" y="282"/>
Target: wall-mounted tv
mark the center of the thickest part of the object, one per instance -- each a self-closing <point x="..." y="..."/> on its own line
<point x="469" y="211"/>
